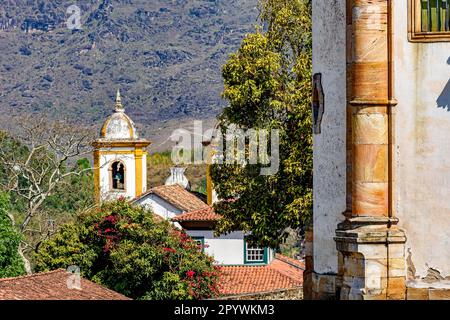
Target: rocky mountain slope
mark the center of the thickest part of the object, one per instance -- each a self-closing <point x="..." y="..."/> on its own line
<point x="165" y="55"/>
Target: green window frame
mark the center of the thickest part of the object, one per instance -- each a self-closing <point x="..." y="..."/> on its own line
<point x="429" y="20"/>
<point x="251" y="254"/>
<point x="201" y="241"/>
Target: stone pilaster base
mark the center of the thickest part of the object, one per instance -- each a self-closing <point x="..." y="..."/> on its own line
<point x="319" y="286"/>
<point x="423" y="290"/>
<point x="371" y="260"/>
<point x="323" y="286"/>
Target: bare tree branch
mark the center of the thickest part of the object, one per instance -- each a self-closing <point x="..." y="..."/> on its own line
<point x="34" y="173"/>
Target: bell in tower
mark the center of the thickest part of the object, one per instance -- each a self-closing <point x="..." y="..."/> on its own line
<point x="120" y="158"/>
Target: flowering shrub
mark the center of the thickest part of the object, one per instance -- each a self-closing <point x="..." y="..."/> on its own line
<point x="131" y="251"/>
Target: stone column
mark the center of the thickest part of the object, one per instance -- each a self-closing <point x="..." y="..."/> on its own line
<point x="371" y="247"/>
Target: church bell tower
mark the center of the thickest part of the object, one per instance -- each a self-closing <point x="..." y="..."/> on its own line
<point x="120" y="158"/>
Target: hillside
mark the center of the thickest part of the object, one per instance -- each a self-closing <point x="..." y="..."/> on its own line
<point x="165" y="56"/>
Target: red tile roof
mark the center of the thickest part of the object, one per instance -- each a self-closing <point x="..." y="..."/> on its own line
<point x="177" y="196"/>
<point x="278" y="275"/>
<point x="53" y="285"/>
<point x="296" y="263"/>
<point x="206" y="214"/>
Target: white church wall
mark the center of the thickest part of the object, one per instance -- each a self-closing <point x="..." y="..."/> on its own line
<point x="422" y="164"/>
<point x="329" y="58"/>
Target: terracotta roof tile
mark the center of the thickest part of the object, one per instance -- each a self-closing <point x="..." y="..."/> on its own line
<point x="278" y="275"/>
<point x="297" y="263"/>
<point x="53" y="286"/>
<point x="206" y="214"/>
<point x="177" y="196"/>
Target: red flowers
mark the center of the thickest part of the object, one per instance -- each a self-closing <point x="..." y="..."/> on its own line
<point x="106" y="230"/>
<point x="169" y="250"/>
<point x="190" y="273"/>
<point x="112" y="219"/>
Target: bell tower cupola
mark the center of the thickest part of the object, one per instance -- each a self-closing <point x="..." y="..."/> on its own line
<point x="120" y="158"/>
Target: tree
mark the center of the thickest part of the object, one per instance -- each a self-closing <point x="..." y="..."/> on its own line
<point x="131" y="251"/>
<point x="75" y="193"/>
<point x="33" y="167"/>
<point x="11" y="264"/>
<point x="268" y="86"/>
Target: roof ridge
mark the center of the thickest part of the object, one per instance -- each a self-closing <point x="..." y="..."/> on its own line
<point x="286" y="260"/>
<point x="203" y="214"/>
<point x="33" y="275"/>
<point x="176" y="185"/>
<point x="285" y="275"/>
<point x="245" y="266"/>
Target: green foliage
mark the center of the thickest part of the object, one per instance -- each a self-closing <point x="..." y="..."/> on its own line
<point x="75" y="193"/>
<point x="11" y="264"/>
<point x="268" y="86"/>
<point x="131" y="251"/>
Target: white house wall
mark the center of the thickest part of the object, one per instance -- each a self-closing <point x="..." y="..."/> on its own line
<point x="422" y="88"/>
<point x="226" y="249"/>
<point x="159" y="206"/>
<point x="329" y="58"/>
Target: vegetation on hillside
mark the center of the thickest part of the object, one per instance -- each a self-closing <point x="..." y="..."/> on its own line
<point x="132" y="251"/>
<point x="11" y="265"/>
<point x="268" y="86"/>
<point x="164" y="55"/>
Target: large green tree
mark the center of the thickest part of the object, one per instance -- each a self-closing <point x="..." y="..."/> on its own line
<point x="11" y="264"/>
<point x="132" y="251"/>
<point x="268" y="86"/>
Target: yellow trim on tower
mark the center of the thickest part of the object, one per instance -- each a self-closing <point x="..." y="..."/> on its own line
<point x="121" y="143"/>
<point x="105" y="125"/>
<point x="138" y="153"/>
<point x="209" y="188"/>
<point x="97" y="176"/>
<point x="112" y="152"/>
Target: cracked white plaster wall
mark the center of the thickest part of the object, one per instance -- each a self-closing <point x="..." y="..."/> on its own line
<point x="329" y="58"/>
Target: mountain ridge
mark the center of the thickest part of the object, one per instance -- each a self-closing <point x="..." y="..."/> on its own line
<point x="165" y="56"/>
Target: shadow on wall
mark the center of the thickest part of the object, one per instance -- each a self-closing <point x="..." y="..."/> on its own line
<point x="443" y="100"/>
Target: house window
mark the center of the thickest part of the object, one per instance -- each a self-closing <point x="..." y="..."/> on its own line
<point x="253" y="254"/>
<point x="118" y="176"/>
<point x="429" y="20"/>
<point x="200" y="242"/>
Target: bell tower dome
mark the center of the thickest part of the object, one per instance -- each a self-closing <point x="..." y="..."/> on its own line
<point x="120" y="158"/>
